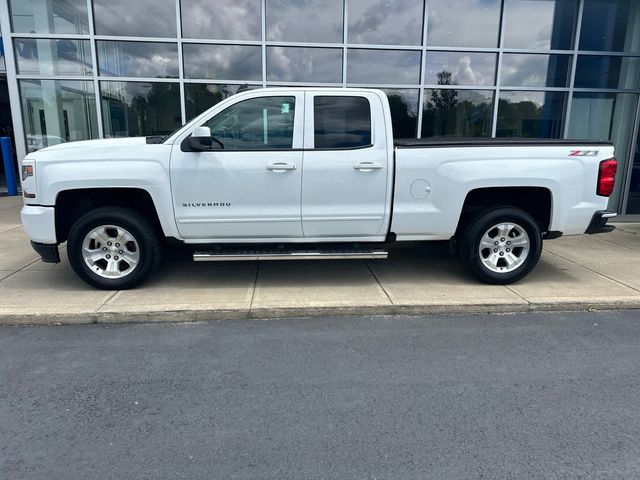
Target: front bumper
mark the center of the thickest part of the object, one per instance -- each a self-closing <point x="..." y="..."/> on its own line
<point x="599" y="221"/>
<point x="39" y="223"/>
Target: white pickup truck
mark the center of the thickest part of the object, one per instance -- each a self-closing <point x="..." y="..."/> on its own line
<point x="308" y="173"/>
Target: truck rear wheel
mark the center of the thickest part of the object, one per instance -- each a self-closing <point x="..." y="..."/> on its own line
<point x="113" y="248"/>
<point x="501" y="246"/>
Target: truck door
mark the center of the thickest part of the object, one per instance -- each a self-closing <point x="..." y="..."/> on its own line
<point x="249" y="184"/>
<point x="346" y="178"/>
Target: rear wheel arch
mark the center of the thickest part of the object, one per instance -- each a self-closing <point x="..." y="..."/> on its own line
<point x="536" y="201"/>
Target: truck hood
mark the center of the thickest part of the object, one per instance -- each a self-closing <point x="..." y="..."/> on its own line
<point x="113" y="149"/>
<point x="105" y="143"/>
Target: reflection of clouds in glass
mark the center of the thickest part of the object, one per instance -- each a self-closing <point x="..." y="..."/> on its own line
<point x="533" y="24"/>
<point x="124" y="91"/>
<point x="221" y="19"/>
<point x="295" y="64"/>
<point x="137" y="59"/>
<point x="304" y="20"/>
<point x="536" y="98"/>
<point x="471" y="23"/>
<point x="383" y="66"/>
<point x="230" y="62"/>
<point x="467" y="68"/>
<point x="141" y="18"/>
<point x="392" y="22"/>
<point x="535" y="70"/>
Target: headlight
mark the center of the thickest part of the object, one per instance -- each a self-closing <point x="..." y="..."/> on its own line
<point x="27" y="171"/>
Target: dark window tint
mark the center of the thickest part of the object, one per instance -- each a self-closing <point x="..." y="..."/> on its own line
<point x="263" y="123"/>
<point x="341" y="122"/>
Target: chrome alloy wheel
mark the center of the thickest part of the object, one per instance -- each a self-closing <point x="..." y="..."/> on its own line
<point x="504" y="247"/>
<point x="110" y="251"/>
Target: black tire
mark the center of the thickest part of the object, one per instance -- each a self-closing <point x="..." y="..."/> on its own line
<point x="147" y="245"/>
<point x="474" y="230"/>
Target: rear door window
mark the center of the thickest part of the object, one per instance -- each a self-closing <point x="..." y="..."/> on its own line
<point x="341" y="122"/>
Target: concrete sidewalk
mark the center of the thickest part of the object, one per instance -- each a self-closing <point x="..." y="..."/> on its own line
<point x="599" y="271"/>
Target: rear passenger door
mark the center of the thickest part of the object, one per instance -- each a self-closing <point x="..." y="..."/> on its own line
<point x="345" y="166"/>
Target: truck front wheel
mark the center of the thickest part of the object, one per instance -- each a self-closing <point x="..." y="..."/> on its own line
<point x="500" y="246"/>
<point x="113" y="248"/>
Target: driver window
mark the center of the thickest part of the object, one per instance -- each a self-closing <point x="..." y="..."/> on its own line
<point x="263" y="123"/>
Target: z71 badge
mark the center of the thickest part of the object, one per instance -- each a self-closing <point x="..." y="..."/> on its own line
<point x="583" y="153"/>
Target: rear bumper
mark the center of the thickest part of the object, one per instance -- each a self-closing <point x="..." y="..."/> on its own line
<point x="47" y="251"/>
<point x="599" y="221"/>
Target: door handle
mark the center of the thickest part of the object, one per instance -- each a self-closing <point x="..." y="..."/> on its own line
<point x="281" y="167"/>
<point x="367" y="166"/>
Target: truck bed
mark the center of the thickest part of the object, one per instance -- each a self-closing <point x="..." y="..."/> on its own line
<point x="491" y="142"/>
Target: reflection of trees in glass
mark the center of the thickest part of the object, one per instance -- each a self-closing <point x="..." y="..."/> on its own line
<point x="451" y="112"/>
<point x="529" y="118"/>
<point x="152" y="108"/>
<point x="403" y="113"/>
<point x="200" y="97"/>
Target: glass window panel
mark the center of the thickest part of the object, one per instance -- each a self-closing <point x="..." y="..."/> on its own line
<point x="605" y="116"/>
<point x="304" y="20"/>
<point x="541" y="25"/>
<point x="460" y="68"/>
<point x="383" y="66"/>
<point x="137" y="59"/>
<point x="524" y="70"/>
<point x="341" y="122"/>
<point x="297" y="64"/>
<point x="222" y="62"/>
<point x="53" y="57"/>
<point x="139" y="18"/>
<point x="200" y="97"/>
<point x="386" y="22"/>
<point x="221" y="19"/>
<point x="53" y="16"/>
<point x="133" y="109"/>
<point x="403" y="104"/>
<point x="264" y="123"/>
<point x="595" y="71"/>
<point x="57" y="111"/>
<point x="463" y="23"/>
<point x="457" y="113"/>
<point x="611" y="25"/>
<point x="530" y="114"/>
<point x="633" y="200"/>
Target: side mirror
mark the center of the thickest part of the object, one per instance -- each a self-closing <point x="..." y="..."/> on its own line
<point x="199" y="140"/>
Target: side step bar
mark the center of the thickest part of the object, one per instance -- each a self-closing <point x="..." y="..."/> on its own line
<point x="280" y="254"/>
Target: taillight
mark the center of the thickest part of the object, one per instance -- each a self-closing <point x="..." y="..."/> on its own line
<point x="607" y="177"/>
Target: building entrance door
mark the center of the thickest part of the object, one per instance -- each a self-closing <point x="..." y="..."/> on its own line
<point x="6" y="127"/>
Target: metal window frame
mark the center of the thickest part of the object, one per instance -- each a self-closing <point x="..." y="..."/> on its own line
<point x="13" y="78"/>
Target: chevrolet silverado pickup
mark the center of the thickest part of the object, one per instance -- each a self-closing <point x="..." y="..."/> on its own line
<point x="308" y="173"/>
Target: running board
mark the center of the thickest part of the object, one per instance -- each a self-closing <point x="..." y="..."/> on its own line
<point x="280" y="254"/>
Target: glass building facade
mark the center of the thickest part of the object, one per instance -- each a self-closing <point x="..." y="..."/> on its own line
<point x="81" y="69"/>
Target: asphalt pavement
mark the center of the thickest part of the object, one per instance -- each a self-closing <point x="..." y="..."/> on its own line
<point x="533" y="395"/>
